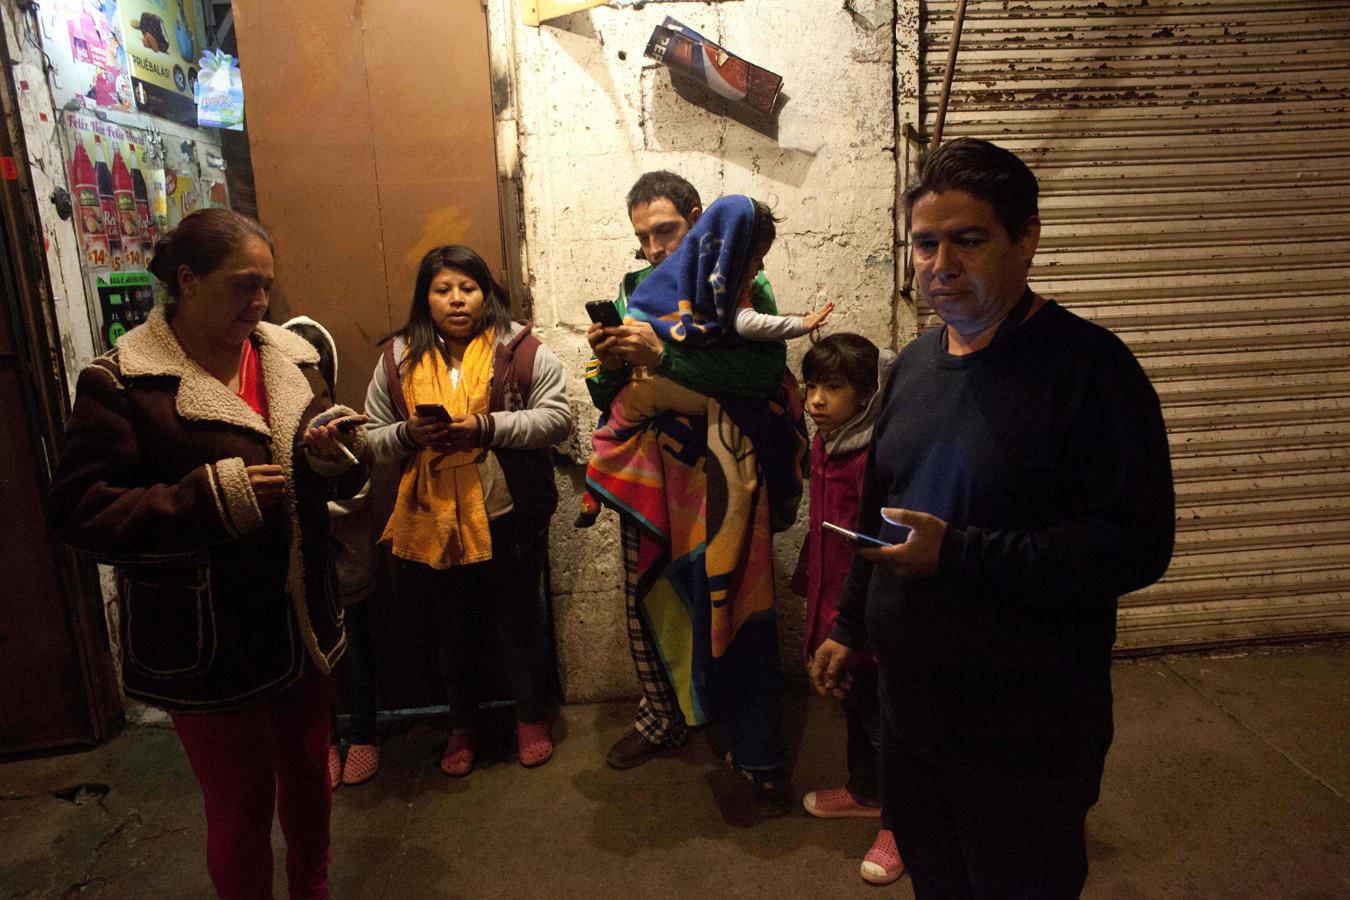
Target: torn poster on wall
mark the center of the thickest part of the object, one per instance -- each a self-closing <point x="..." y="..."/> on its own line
<point x="84" y="43"/>
<point x="686" y="52"/>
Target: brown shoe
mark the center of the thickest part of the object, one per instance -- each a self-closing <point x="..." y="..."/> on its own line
<point x="630" y="750"/>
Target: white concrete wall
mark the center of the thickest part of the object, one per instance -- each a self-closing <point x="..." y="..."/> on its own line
<point x="588" y="114"/>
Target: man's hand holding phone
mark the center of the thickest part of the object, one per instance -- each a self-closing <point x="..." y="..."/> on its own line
<point x="918" y="553"/>
<point x="615" y="342"/>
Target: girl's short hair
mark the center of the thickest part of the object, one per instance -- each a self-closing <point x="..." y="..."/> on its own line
<point x="846" y="356"/>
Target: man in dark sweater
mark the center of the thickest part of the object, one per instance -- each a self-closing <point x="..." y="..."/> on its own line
<point x="1021" y="466"/>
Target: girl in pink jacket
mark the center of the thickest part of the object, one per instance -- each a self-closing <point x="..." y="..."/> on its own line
<point x="841" y="375"/>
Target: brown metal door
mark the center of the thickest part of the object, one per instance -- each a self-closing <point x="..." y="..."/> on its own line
<point x="371" y="133"/>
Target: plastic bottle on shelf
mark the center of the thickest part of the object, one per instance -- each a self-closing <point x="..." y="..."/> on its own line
<point x="143" y="215"/>
<point x="124" y="197"/>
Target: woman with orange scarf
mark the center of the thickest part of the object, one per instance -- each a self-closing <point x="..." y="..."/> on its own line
<point x="470" y="403"/>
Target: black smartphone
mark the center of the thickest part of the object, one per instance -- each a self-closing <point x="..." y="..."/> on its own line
<point x="604" y="312"/>
<point x="350" y="423"/>
<point x="432" y="411"/>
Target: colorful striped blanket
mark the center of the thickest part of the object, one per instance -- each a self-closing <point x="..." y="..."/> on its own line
<point x="688" y="469"/>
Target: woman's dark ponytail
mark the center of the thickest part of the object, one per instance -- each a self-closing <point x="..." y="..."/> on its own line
<point x="161" y="263"/>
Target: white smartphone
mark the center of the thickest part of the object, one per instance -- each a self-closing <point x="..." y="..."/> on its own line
<point x="856" y="536"/>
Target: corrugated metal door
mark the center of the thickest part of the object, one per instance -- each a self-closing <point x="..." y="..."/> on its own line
<point x="1194" y="159"/>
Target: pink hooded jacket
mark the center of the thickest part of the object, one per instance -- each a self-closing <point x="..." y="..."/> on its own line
<point x="835" y="487"/>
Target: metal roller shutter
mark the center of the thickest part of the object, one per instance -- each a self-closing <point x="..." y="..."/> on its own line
<point x="1194" y="159"/>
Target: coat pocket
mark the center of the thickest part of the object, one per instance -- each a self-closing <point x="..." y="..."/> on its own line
<point x="168" y="622"/>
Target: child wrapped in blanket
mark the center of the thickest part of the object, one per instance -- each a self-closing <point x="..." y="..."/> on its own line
<point x="698" y="296"/>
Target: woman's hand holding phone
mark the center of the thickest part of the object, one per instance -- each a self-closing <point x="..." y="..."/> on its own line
<point x="429" y="424"/>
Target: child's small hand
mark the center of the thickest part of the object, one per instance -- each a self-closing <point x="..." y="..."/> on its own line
<point x="812" y="321"/>
<point x="829" y="669"/>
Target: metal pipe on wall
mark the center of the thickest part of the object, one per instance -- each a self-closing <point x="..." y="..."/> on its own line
<point x="951" y="71"/>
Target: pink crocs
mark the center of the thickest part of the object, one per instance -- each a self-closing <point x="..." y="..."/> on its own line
<point x="459" y="752"/>
<point x="534" y="746"/>
<point x="882" y="864"/>
<point x="363" y="761"/>
<point x="837" y="803"/>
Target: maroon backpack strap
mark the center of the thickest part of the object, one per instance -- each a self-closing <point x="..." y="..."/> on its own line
<point x="522" y="366"/>
<point x="513" y="364"/>
<point x="394" y="378"/>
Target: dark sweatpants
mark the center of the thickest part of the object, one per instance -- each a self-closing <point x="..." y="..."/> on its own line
<point x="489" y="609"/>
<point x="972" y="836"/>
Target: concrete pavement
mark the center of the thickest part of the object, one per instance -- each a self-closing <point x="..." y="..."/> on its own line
<point x="1229" y="777"/>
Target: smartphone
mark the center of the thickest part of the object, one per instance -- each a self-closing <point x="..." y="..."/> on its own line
<point x="350" y="423"/>
<point x="433" y="411"/>
<point x="852" y="535"/>
<point x="604" y="312"/>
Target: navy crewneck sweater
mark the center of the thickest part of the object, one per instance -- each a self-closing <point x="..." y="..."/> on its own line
<point x="1046" y="455"/>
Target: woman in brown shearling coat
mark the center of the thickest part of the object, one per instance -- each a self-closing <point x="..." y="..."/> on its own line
<point x="199" y="459"/>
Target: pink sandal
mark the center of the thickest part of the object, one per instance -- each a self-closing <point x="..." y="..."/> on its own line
<point x="459" y="753"/>
<point x="882" y="864"/>
<point x="534" y="746"/>
<point x="363" y="761"/>
<point x="334" y="766"/>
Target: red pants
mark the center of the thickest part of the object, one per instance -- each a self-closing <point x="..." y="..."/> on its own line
<point x="276" y="750"/>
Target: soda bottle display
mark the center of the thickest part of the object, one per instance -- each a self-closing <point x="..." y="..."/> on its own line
<point x="124" y="198"/>
<point x="84" y="184"/>
<point x="105" y="197"/>
<point x="148" y="230"/>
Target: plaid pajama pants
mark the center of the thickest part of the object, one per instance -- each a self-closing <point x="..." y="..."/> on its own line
<point x="659" y="719"/>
